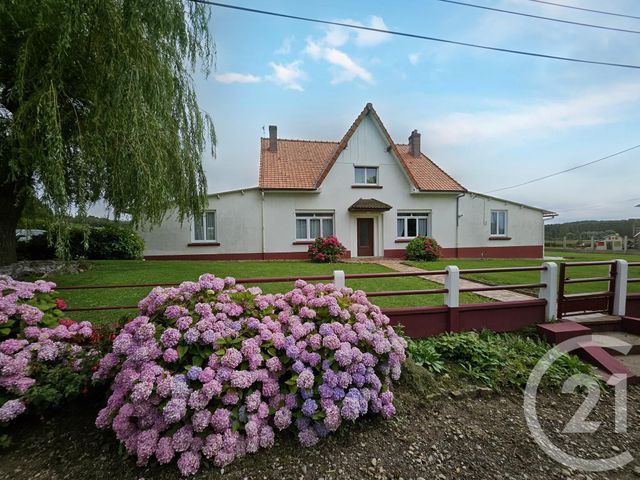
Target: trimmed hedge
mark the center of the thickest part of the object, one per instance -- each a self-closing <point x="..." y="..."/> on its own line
<point x="103" y="243"/>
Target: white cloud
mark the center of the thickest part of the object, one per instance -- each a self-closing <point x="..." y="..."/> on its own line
<point x="591" y="108"/>
<point x="285" y="47"/>
<point x="345" y="69"/>
<point x="348" y="69"/>
<point x="414" y="58"/>
<point x="233" y="77"/>
<point x="336" y="36"/>
<point x="288" y="75"/>
<point x="366" y="38"/>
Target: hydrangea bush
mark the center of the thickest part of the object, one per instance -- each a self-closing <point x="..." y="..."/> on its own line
<point x="326" y="249"/>
<point x="44" y="358"/>
<point x="211" y="369"/>
<point x="424" y="249"/>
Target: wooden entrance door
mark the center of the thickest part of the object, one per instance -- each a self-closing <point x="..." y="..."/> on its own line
<point x="365" y="237"/>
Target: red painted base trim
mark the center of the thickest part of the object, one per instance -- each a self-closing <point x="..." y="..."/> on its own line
<point x="532" y="251"/>
<point x="420" y="322"/>
<point x="524" y="251"/>
<point x="238" y="256"/>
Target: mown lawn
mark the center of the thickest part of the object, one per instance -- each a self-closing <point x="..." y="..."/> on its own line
<point x="511" y="278"/>
<point x="135" y="272"/>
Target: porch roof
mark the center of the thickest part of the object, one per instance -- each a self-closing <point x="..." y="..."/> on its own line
<point x="369" y="205"/>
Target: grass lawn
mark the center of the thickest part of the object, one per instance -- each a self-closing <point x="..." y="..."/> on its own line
<point x="133" y="271"/>
<point x="510" y="278"/>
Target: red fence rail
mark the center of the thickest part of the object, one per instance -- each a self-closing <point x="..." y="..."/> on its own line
<point x="351" y="276"/>
<point x="582" y="303"/>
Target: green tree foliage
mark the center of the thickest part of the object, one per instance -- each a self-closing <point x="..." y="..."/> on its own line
<point x="585" y="229"/>
<point x="97" y="102"/>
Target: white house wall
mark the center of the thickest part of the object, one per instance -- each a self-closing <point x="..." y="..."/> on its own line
<point x="238" y="229"/>
<point x="366" y="147"/>
<point x="524" y="225"/>
<point x="240" y="215"/>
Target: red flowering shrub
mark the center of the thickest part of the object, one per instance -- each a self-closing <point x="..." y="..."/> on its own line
<point x="423" y="248"/>
<point x="327" y="249"/>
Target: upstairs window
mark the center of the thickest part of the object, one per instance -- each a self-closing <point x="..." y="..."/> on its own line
<point x="204" y="228"/>
<point x="412" y="224"/>
<point x="366" y="175"/>
<point x="310" y="226"/>
<point x="499" y="223"/>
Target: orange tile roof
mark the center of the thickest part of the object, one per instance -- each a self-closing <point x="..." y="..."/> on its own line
<point x="296" y="165"/>
<point x="427" y="174"/>
<point x="304" y="164"/>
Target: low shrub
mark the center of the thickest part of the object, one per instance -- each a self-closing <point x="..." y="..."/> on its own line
<point x="497" y="360"/>
<point x="326" y="249"/>
<point x="423" y="249"/>
<point x="109" y="242"/>
<point x="213" y="369"/>
<point x="44" y="359"/>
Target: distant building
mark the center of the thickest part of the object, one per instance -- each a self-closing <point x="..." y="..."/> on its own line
<point x="610" y="242"/>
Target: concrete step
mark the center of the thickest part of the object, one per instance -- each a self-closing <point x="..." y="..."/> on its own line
<point x="614" y="341"/>
<point x="598" y="322"/>
<point x="631" y="362"/>
<point x="595" y="354"/>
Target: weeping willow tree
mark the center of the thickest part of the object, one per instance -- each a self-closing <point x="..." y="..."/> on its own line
<point x="97" y="103"/>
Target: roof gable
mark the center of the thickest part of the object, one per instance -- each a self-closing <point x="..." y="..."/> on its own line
<point x="303" y="165"/>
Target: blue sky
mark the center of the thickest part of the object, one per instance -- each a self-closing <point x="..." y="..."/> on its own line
<point x="491" y="120"/>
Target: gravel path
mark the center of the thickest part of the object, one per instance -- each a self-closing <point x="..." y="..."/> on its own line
<point x="451" y="436"/>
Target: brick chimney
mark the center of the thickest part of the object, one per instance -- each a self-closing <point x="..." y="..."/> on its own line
<point x="414" y="144"/>
<point x="273" y="138"/>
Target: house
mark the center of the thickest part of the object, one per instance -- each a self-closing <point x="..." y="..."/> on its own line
<point x="374" y="194"/>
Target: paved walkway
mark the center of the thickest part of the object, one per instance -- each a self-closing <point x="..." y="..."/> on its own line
<point x="499" y="295"/>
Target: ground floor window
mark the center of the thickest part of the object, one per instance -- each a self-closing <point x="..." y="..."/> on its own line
<point x="412" y="224"/>
<point x="204" y="228"/>
<point x="499" y="223"/>
<point x="311" y="225"/>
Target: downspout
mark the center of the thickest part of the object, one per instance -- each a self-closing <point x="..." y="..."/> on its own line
<point x="262" y="222"/>
<point x="458" y="222"/>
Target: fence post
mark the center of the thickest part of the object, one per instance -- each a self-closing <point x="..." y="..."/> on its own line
<point x="624" y="245"/>
<point x="564" y="242"/>
<point x="452" y="284"/>
<point x="338" y="278"/>
<point x="593" y="244"/>
<point x="620" y="293"/>
<point x="550" y="293"/>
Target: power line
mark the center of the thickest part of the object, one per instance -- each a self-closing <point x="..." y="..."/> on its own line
<point x="413" y="35"/>
<point x="565" y="171"/>
<point x="551" y="19"/>
<point x="586" y="9"/>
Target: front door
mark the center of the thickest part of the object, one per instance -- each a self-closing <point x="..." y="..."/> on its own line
<point x="365" y="237"/>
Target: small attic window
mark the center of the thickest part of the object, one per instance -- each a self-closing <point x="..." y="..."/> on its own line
<point x="366" y="175"/>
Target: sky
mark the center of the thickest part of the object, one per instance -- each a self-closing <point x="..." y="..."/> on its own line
<point x="489" y="119"/>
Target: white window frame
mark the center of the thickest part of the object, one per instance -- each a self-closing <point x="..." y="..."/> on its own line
<point x="205" y="227"/>
<point x="315" y="215"/>
<point x="417" y="214"/>
<point x="497" y="232"/>
<point x="366" y="168"/>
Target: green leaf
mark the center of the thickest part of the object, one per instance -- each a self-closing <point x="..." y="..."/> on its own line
<point x="221" y="352"/>
<point x="182" y="349"/>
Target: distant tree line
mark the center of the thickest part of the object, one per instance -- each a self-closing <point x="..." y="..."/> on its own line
<point x="586" y="229"/>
